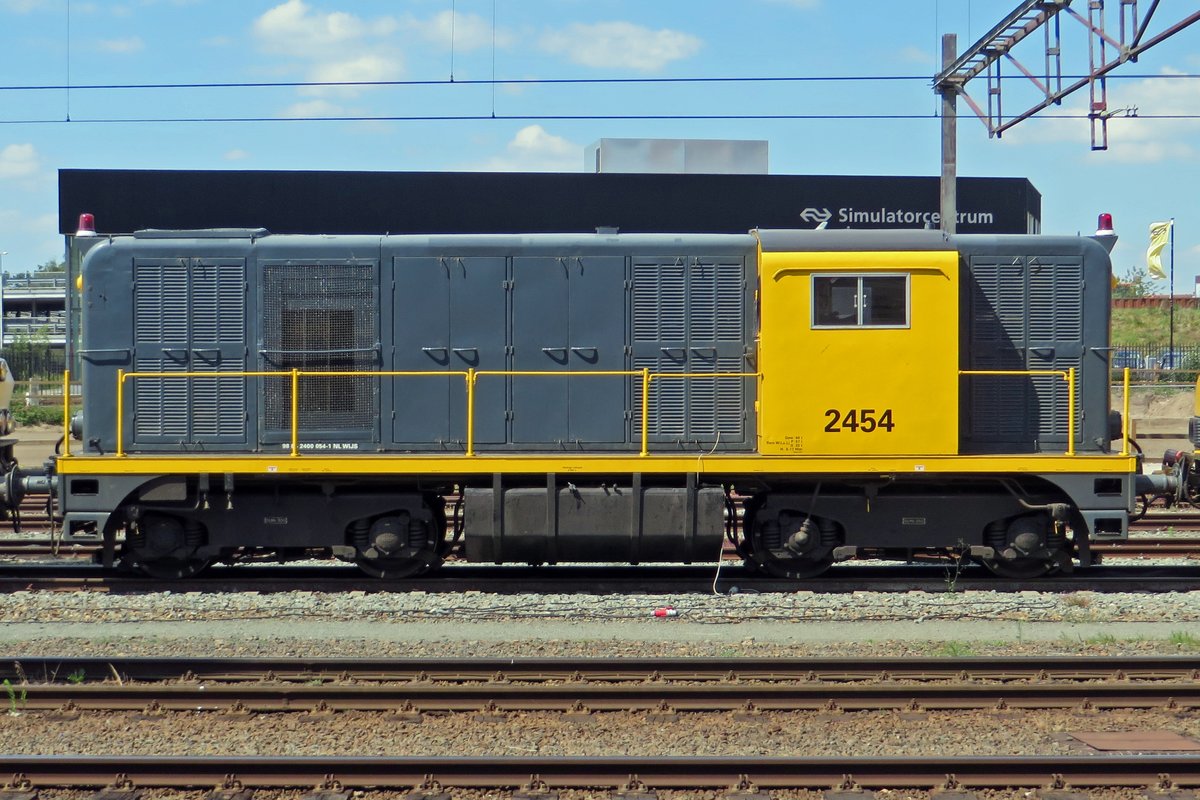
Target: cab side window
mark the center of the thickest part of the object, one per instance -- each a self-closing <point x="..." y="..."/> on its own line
<point x="860" y="301"/>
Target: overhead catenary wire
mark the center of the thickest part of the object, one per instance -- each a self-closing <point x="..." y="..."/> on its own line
<point x="532" y="118"/>
<point x="47" y="87"/>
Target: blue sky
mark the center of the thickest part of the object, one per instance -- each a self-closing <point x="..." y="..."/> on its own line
<point x="1149" y="172"/>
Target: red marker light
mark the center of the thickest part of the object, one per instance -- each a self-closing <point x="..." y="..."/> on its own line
<point x="87" y="225"/>
<point x="1104" y="225"/>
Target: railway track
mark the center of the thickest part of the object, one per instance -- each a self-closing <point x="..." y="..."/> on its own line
<point x="72" y="576"/>
<point x="1163" y="520"/>
<point x="580" y="687"/>
<point x="534" y="776"/>
<point x="45" y="546"/>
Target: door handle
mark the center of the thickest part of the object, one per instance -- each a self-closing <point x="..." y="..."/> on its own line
<point x="549" y="350"/>
<point x="434" y="349"/>
<point x="591" y="351"/>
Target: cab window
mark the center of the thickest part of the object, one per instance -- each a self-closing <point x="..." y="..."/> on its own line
<point x="860" y="301"/>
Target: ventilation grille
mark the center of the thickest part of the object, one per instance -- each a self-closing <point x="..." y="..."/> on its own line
<point x="321" y="317"/>
<point x="189" y="315"/>
<point x="689" y="316"/>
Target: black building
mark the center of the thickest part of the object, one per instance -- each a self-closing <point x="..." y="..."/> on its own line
<point x="493" y="202"/>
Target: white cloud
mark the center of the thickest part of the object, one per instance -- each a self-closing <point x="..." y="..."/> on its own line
<point x="293" y="28"/>
<point x="30" y="236"/>
<point x="620" y="45"/>
<point x="236" y="154"/>
<point x="315" y="108"/>
<point x="18" y="161"/>
<point x="366" y="67"/>
<point x="330" y="47"/>
<point x="466" y="31"/>
<point x="533" y="149"/>
<point x="1130" y="140"/>
<point x="131" y="44"/>
<point x="25" y="6"/>
<point x="915" y="55"/>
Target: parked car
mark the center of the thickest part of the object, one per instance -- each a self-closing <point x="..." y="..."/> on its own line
<point x="1131" y="359"/>
<point x="1172" y="359"/>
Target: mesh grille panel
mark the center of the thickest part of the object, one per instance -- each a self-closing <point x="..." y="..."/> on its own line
<point x="321" y="317"/>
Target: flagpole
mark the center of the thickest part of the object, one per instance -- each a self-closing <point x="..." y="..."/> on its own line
<point x="1171" y="321"/>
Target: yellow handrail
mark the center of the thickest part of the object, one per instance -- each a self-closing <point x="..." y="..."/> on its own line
<point x="122" y="376"/>
<point x="471" y="376"/>
<point x="1125" y="415"/>
<point x="295" y="413"/>
<point x="66" y="448"/>
<point x="1067" y="375"/>
<point x="648" y="377"/>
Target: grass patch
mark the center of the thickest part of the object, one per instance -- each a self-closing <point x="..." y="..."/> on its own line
<point x="1184" y="640"/>
<point x="953" y="649"/>
<point x="1150" y="327"/>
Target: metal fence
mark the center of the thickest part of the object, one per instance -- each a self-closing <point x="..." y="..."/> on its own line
<point x="35" y="362"/>
<point x="1155" y="359"/>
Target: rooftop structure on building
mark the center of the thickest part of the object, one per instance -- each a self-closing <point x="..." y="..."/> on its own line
<point x="678" y="156"/>
<point x="33" y="308"/>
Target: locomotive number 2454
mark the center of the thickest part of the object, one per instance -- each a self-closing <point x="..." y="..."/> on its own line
<point x="861" y="420"/>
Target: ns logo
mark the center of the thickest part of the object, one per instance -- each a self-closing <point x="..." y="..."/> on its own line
<point x="819" y="216"/>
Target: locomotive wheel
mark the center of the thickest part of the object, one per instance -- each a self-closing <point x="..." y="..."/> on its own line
<point x="788" y="544"/>
<point x="165" y="547"/>
<point x="401" y="544"/>
<point x="394" y="568"/>
<point x="1020" y="568"/>
<point x="1027" y="547"/>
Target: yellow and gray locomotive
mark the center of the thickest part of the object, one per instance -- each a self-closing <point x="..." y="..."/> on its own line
<point x="598" y="397"/>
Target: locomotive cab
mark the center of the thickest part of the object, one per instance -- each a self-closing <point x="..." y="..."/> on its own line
<point x="859" y="345"/>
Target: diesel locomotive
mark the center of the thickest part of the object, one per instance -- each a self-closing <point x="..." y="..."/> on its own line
<point x="598" y="397"/>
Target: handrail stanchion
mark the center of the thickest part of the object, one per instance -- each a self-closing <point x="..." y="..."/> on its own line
<point x="645" y="412"/>
<point x="470" y="411"/>
<point x="1071" y="411"/>
<point x="120" y="413"/>
<point x="66" y="448"/>
<point x="295" y="412"/>
<point x="1125" y="415"/>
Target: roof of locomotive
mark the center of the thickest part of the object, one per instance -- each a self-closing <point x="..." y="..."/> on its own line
<point x="234" y="241"/>
<point x="230" y="241"/>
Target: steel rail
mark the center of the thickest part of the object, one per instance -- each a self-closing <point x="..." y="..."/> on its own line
<point x="46" y="547"/>
<point x="1149" y="547"/>
<point x="21" y="669"/>
<point x="664" y="697"/>
<point x="1143" y="547"/>
<point x="73" y="576"/>
<point x="342" y="772"/>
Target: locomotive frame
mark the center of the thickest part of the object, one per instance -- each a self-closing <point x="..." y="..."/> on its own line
<point x="871" y="394"/>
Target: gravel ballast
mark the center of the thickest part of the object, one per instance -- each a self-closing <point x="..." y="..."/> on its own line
<point x="475" y="623"/>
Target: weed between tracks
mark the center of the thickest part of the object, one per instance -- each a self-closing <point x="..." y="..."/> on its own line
<point x="16" y="699"/>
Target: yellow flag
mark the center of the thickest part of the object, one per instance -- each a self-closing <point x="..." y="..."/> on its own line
<point x="1160" y="235"/>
